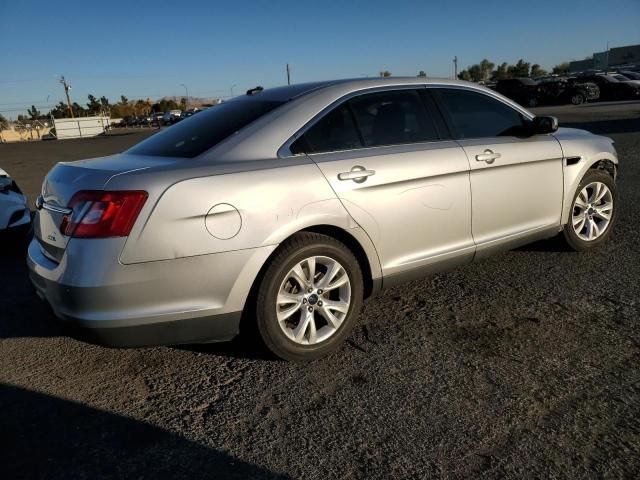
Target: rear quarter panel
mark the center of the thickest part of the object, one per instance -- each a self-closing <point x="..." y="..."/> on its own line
<point x="271" y="204"/>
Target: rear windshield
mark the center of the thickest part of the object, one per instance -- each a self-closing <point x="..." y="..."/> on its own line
<point x="199" y="133"/>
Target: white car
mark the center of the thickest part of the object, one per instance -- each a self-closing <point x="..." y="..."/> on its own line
<point x="15" y="215"/>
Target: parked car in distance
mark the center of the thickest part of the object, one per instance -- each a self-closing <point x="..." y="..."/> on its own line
<point x="172" y="116"/>
<point x="524" y="91"/>
<point x="190" y="112"/>
<point x="612" y="88"/>
<point x="629" y="74"/>
<point x="15" y="216"/>
<point x="157" y="118"/>
<point x="287" y="207"/>
<point x="563" y="90"/>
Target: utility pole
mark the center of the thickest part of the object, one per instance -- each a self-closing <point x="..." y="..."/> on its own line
<point x="288" y="75"/>
<point x="455" y="67"/>
<point x="187" y="92"/>
<point x="67" y="87"/>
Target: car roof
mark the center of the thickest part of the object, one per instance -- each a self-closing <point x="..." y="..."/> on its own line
<point x="289" y="92"/>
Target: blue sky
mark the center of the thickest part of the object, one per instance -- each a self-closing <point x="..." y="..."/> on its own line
<point x="147" y="49"/>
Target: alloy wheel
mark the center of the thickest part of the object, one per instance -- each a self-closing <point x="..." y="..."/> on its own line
<point x="313" y="300"/>
<point x="592" y="211"/>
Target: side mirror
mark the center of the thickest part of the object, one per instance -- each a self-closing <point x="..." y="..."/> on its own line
<point x="542" y="125"/>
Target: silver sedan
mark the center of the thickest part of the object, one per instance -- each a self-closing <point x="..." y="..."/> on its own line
<point x="280" y="211"/>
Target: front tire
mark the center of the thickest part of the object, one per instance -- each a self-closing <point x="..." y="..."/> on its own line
<point x="309" y="298"/>
<point x="593" y="211"/>
<point x="577" y="99"/>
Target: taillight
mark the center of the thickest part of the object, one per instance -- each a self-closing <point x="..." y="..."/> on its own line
<point x="100" y="214"/>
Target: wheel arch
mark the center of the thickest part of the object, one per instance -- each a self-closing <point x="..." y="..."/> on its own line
<point x="353" y="239"/>
<point x="605" y="162"/>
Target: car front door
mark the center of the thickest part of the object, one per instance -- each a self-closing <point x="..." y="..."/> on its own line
<point x="405" y="185"/>
<point x="516" y="178"/>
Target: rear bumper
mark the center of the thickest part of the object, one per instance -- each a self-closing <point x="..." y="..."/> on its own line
<point x="216" y="328"/>
<point x="188" y="300"/>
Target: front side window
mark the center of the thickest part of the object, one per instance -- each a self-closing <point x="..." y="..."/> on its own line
<point x="200" y="132"/>
<point x="476" y="115"/>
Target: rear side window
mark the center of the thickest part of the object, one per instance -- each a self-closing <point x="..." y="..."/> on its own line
<point x="392" y="118"/>
<point x="200" y="132"/>
<point x="475" y="115"/>
<point x="335" y="131"/>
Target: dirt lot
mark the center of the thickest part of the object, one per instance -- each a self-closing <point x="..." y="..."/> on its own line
<point x="525" y="365"/>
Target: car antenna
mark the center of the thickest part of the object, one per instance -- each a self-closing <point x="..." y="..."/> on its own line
<point x="253" y="91"/>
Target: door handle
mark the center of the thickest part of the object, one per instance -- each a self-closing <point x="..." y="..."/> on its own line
<point x="488" y="156"/>
<point x="358" y="174"/>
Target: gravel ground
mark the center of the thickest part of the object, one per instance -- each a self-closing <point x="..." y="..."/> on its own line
<point x="524" y="365"/>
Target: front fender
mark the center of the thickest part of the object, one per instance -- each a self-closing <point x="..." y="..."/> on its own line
<point x="581" y="151"/>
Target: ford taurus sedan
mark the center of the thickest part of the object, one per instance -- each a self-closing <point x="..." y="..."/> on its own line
<point x="285" y="208"/>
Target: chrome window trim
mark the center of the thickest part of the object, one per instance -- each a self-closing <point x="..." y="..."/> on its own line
<point x="285" y="150"/>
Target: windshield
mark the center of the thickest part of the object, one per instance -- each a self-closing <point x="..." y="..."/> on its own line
<point x="199" y="133"/>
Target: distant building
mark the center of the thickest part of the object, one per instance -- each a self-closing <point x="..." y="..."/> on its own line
<point x="624" y="55"/>
<point x="579" y="65"/>
<point x="614" y="57"/>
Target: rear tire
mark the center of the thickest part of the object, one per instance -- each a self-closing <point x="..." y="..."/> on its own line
<point x="309" y="298"/>
<point x="593" y="211"/>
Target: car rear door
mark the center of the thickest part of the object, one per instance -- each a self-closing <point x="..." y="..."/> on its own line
<point x="516" y="178"/>
<point x="404" y="184"/>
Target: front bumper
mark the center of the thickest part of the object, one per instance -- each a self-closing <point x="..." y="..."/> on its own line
<point x="187" y="300"/>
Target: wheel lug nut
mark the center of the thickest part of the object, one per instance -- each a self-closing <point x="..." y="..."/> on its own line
<point x="310" y="290"/>
<point x="304" y="300"/>
<point x="320" y="303"/>
<point x="311" y="309"/>
<point x="319" y="291"/>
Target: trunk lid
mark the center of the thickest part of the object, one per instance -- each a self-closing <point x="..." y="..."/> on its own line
<point x="64" y="181"/>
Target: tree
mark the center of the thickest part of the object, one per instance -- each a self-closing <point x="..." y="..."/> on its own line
<point x="520" y="69"/>
<point x="33" y="113"/>
<point x="475" y="72"/>
<point x="59" y="111"/>
<point x="478" y="72"/>
<point x="385" y="73"/>
<point x="78" y="110"/>
<point x="93" y="107"/>
<point x="4" y="125"/>
<point x="142" y="107"/>
<point x="485" y="69"/>
<point x="422" y="74"/>
<point x="464" y="75"/>
<point x="537" y="71"/>
<point x="561" y="68"/>
<point x="501" y="72"/>
<point x="183" y="103"/>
